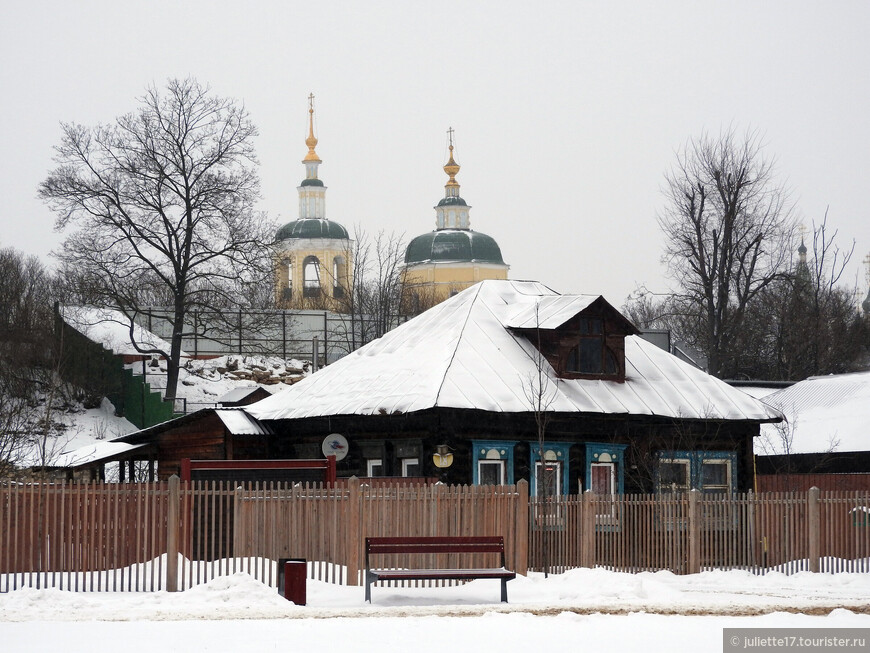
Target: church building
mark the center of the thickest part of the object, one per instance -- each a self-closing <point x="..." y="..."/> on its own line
<point x="313" y="256"/>
<point x="441" y="263"/>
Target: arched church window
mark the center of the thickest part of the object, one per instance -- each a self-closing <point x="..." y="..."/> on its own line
<point x="339" y="276"/>
<point x="287" y="288"/>
<point x="311" y="277"/>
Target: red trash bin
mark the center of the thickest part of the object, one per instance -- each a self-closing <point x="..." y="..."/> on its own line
<point x="295" y="576"/>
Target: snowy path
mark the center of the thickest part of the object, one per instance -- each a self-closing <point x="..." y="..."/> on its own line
<point x="595" y="610"/>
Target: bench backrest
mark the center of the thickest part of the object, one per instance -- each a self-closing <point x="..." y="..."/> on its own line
<point x="475" y="544"/>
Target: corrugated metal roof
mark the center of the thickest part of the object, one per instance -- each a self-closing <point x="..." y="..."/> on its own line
<point x="461" y="354"/>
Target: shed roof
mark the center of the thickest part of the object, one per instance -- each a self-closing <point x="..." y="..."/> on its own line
<point x="463" y="354"/>
<point x="238" y="422"/>
<point x="239" y="393"/>
<point x="96" y="452"/>
<point x="824" y="413"/>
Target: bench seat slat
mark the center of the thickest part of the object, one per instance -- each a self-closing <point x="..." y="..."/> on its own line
<point x="423" y="539"/>
<point x="443" y="574"/>
<point x="434" y="548"/>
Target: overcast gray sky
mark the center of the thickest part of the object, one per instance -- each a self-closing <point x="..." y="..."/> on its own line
<point x="567" y="114"/>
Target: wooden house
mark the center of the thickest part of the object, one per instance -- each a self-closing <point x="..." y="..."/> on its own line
<point x="509" y="380"/>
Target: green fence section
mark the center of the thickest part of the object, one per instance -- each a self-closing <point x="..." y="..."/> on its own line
<point x="143" y="406"/>
<point x="100" y="373"/>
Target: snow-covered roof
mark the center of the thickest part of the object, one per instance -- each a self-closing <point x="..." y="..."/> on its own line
<point x="461" y="354"/>
<point x="95" y="452"/>
<point x="111" y="329"/>
<point x="549" y="312"/>
<point x="237" y="394"/>
<point x="824" y="413"/>
<point x="757" y="391"/>
<point x="239" y="422"/>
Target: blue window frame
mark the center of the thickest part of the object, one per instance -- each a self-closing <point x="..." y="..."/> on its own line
<point x="605" y="468"/>
<point x="493" y="462"/>
<point x="708" y="471"/>
<point x="556" y="457"/>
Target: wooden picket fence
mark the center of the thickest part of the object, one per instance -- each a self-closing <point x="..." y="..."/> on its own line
<point x="693" y="532"/>
<point x="152" y="536"/>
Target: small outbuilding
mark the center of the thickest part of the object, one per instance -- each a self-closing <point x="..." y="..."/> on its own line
<point x="155" y="453"/>
<point x="824" y="440"/>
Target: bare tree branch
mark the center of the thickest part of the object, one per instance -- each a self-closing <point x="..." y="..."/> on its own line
<point x="163" y="204"/>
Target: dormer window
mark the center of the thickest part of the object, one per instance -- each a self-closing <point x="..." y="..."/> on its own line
<point x="591" y="355"/>
<point x="586" y="343"/>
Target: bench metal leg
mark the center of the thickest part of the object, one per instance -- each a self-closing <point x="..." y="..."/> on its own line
<point x="368" y="588"/>
<point x="504" y="590"/>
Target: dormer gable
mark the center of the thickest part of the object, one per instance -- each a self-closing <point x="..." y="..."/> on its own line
<point x="582" y="337"/>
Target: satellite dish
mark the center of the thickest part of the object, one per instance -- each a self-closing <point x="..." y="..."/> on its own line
<point x="335" y="444"/>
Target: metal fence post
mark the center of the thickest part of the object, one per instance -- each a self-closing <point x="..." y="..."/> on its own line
<point x="325" y="337"/>
<point x="814" y="529"/>
<point x="240" y="332"/>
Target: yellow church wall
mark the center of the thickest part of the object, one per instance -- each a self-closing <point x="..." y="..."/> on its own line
<point x="433" y="283"/>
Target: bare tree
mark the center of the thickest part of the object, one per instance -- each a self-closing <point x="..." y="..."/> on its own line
<point x="372" y="305"/>
<point x="32" y="394"/>
<point x="540" y="392"/>
<point x="163" y="204"/>
<point x="728" y="226"/>
<point x="820" y="325"/>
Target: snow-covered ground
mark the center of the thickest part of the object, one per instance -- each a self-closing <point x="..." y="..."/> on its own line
<point x="590" y="610"/>
<point x="202" y="382"/>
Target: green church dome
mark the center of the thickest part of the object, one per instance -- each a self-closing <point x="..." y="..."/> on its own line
<point x="451" y="201"/>
<point x="453" y="245"/>
<point x="311" y="228"/>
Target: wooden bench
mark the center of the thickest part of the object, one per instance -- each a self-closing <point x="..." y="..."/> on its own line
<point x="387" y="545"/>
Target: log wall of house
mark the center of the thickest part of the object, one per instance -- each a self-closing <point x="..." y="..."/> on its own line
<point x="397" y="436"/>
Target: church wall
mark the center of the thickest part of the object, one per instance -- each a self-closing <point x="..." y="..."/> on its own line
<point x="440" y="280"/>
<point x="326" y="250"/>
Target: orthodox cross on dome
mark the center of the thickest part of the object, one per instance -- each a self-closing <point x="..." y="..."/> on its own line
<point x="867" y="264"/>
<point x="311" y="141"/>
<point x="451" y="168"/>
